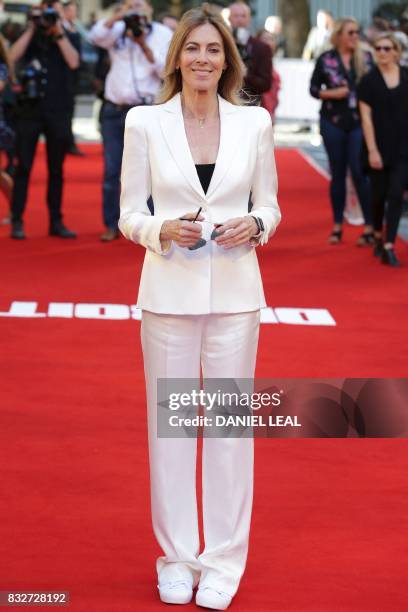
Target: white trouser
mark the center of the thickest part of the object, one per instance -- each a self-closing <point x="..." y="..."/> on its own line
<point x="173" y="347"/>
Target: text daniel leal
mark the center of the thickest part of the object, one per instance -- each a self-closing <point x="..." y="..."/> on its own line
<point x="248" y="420"/>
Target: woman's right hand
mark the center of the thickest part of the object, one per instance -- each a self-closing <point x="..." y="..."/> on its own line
<point x="184" y="233"/>
<point x="375" y="160"/>
<point x="337" y="93"/>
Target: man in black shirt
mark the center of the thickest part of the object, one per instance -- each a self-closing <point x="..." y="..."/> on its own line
<point x="49" y="58"/>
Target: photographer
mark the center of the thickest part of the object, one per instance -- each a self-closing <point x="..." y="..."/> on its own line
<point x="256" y="55"/>
<point x="48" y="61"/>
<point x="137" y="49"/>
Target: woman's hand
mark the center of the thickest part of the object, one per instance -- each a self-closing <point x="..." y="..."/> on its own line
<point x="184" y="233"/>
<point x="338" y="93"/>
<point x="375" y="160"/>
<point x="235" y="232"/>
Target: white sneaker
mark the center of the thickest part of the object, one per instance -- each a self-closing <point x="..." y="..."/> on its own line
<point x="211" y="598"/>
<point x="176" y="591"/>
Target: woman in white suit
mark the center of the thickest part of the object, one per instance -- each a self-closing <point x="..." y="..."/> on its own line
<point x="199" y="149"/>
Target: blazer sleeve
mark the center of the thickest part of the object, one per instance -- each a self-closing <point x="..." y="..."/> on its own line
<point x="136" y="221"/>
<point x="265" y="181"/>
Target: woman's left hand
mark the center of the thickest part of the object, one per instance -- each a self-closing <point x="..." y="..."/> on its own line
<point x="235" y="232"/>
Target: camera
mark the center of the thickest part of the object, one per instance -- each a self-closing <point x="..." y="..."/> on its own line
<point x="32" y="79"/>
<point x="44" y="18"/>
<point x="138" y="24"/>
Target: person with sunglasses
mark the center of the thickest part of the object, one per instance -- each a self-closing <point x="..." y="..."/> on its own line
<point x="334" y="81"/>
<point x="383" y="98"/>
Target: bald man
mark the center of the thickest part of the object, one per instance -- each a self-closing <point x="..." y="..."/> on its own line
<point x="257" y="56"/>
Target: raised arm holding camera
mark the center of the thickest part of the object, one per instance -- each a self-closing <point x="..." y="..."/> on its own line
<point x="47" y="59"/>
<point x="137" y="48"/>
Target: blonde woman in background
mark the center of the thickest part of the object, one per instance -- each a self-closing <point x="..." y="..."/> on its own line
<point x="334" y="81"/>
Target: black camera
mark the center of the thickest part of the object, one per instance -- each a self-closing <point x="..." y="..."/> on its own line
<point x="32" y="80"/>
<point x="138" y="24"/>
<point x="44" y="18"/>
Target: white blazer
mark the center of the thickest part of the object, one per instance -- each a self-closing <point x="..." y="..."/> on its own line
<point x="157" y="161"/>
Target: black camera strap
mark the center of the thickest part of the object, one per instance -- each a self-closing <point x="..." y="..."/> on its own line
<point x="134" y="78"/>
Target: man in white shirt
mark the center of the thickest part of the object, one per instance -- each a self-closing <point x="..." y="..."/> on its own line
<point x="137" y="48"/>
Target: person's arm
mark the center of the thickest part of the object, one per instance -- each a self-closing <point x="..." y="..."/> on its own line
<point x="265" y="182"/>
<point x="317" y="85"/>
<point x="156" y="58"/>
<point x="264" y="196"/>
<point x="259" y="75"/>
<point x="68" y="51"/>
<point x="136" y="221"/>
<point x="374" y="155"/>
<point x="18" y="49"/>
<point x="106" y="32"/>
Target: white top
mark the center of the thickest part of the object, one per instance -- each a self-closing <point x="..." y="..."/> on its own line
<point x="131" y="74"/>
<point x="157" y="161"/>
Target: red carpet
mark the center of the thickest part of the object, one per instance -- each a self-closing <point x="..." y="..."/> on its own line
<point x="330" y="516"/>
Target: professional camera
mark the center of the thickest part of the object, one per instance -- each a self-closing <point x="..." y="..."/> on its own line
<point x="32" y="79"/>
<point x="138" y="24"/>
<point x="241" y="37"/>
<point x="44" y="18"/>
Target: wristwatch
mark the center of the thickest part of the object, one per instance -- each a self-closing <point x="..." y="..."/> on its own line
<point x="58" y="37"/>
<point x="259" y="224"/>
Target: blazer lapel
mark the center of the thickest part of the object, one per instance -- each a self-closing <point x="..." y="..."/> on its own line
<point x="229" y="143"/>
<point x="172" y="124"/>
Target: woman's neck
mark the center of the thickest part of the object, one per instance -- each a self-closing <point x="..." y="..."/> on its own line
<point x="388" y="68"/>
<point x="345" y="52"/>
<point x="199" y="104"/>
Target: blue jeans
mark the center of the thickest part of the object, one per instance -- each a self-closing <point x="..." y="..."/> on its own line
<point x="344" y="151"/>
<point x="113" y="128"/>
<point x="113" y="131"/>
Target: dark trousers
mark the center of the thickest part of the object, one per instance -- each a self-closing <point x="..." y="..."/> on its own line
<point x="344" y="151"/>
<point x="113" y="129"/>
<point x="388" y="185"/>
<point x="55" y="126"/>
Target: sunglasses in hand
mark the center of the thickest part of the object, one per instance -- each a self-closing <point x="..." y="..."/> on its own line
<point x="202" y="241"/>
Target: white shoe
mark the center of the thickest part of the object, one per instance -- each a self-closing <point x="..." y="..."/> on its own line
<point x="176" y="591"/>
<point x="211" y="598"/>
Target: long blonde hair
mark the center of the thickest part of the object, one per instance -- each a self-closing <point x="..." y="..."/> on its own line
<point x="360" y="64"/>
<point x="230" y="83"/>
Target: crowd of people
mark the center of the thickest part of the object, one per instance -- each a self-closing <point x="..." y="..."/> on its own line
<point x="364" y="126"/>
<point x="359" y="76"/>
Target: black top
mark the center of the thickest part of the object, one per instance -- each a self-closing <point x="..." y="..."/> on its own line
<point x="59" y="80"/>
<point x="389" y="114"/>
<point x="330" y="73"/>
<point x="205" y="172"/>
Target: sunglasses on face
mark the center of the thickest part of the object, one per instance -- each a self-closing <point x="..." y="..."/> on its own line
<point x="386" y="49"/>
<point x="353" y="33"/>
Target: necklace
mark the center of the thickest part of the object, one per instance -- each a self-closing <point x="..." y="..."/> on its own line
<point x="201" y="120"/>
